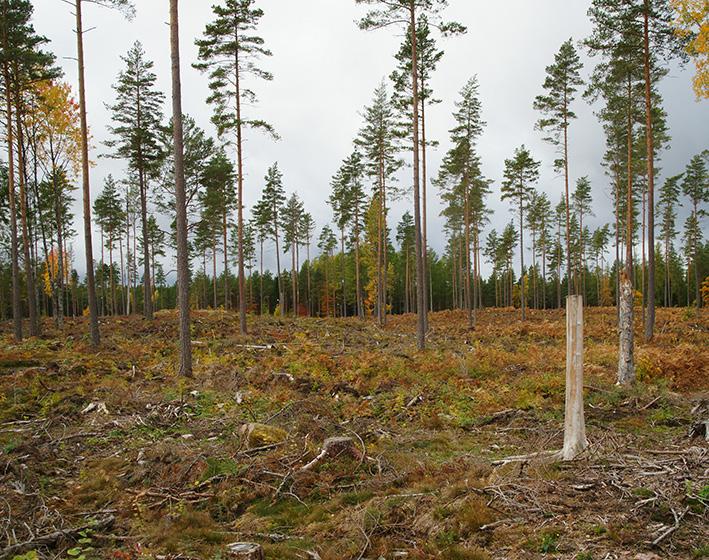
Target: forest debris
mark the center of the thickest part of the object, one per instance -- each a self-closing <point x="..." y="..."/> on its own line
<point x="498" y="416"/>
<point x="335" y="446"/>
<point x="699" y="429"/>
<point x="259" y="435"/>
<point x="283" y="375"/>
<point x="672" y="529"/>
<point x="99" y="407"/>
<point x="51" y="539"/>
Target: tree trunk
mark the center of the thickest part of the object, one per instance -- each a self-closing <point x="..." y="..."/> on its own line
<point x="29" y="267"/>
<point x="626" y="366"/>
<point x="240" y="204"/>
<point x="566" y="190"/>
<point x="214" y="274"/>
<point x="90" y="283"/>
<point x="650" y="148"/>
<point x="420" y="302"/>
<point x="226" y="261"/>
<point x="16" y="294"/>
<point x="183" y="279"/>
<point x="427" y="294"/>
<point x="344" y="272"/>
<point x="521" y="255"/>
<point x="574" y="423"/>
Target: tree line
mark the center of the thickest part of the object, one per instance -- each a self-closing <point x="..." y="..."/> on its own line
<point x="359" y="264"/>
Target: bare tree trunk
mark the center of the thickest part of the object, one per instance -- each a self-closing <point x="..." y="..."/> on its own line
<point x="626" y="365"/>
<point x="650" y="149"/>
<point x="568" y="206"/>
<point x="16" y="295"/>
<point x="344" y="272"/>
<point x="420" y="301"/>
<point x="214" y="274"/>
<point x="29" y="267"/>
<point x="226" y="262"/>
<point x="240" y="204"/>
<point x="310" y="293"/>
<point x="574" y="423"/>
<point x="521" y="254"/>
<point x="183" y="287"/>
<point x="86" y="188"/>
<point x="427" y="294"/>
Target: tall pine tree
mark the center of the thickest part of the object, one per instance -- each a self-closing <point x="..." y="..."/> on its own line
<point x="230" y="51"/>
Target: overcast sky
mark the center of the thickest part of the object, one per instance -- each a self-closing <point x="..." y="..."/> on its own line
<point x="325" y="70"/>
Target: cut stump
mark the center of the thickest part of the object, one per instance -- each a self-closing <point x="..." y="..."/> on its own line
<point x="244" y="551"/>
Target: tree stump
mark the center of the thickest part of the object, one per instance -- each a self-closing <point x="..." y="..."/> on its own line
<point x="244" y="551"/>
<point x="574" y="423"/>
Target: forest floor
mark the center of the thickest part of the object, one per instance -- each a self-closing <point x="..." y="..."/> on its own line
<point x="133" y="462"/>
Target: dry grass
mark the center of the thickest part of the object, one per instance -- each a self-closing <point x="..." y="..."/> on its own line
<point x="170" y="459"/>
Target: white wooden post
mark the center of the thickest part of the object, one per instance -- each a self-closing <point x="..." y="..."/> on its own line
<point x="574" y="423"/>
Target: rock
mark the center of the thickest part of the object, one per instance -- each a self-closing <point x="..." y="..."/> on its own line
<point x="258" y="435"/>
<point x="244" y="551"/>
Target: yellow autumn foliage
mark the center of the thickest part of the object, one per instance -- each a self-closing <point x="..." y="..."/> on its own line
<point x="692" y="24"/>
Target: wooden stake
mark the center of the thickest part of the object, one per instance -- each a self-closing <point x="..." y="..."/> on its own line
<point x="574" y="423"/>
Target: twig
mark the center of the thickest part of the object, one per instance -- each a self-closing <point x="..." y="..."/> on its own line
<point x="52" y="538"/>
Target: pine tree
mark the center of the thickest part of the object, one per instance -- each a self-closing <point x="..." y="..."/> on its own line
<point x="561" y="84"/>
<point x="461" y="179"/>
<point x="429" y="57"/>
<point x="618" y="79"/>
<point x="230" y="51"/>
<point x="327" y="243"/>
<point x="185" y="366"/>
<point x="307" y="228"/>
<point x="521" y="172"/>
<point x="667" y="207"/>
<point x="136" y="114"/>
<point x="198" y="149"/>
<point x="405" y="238"/>
<point x="599" y="245"/>
<point x="581" y="202"/>
<point x="218" y="197"/>
<point x="126" y="7"/>
<point x="379" y="142"/>
<point x="273" y="197"/>
<point x="291" y="217"/>
<point x="695" y="186"/>
<point x="108" y="209"/>
<point x="407" y="12"/>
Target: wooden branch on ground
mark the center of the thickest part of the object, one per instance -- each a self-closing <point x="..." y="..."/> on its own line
<point x="51" y="539"/>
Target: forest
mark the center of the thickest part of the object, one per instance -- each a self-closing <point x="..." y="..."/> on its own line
<point x="196" y="364"/>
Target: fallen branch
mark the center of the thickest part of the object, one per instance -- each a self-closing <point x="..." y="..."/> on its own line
<point x="670" y="530"/>
<point x="52" y="538"/>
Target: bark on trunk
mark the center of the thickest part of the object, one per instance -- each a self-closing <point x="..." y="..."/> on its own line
<point x="88" y="244"/>
<point x="183" y="287"/>
<point x="420" y="303"/>
<point x="649" y="140"/>
<point x="626" y="367"/>
<point x="16" y="295"/>
<point x="574" y="423"/>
